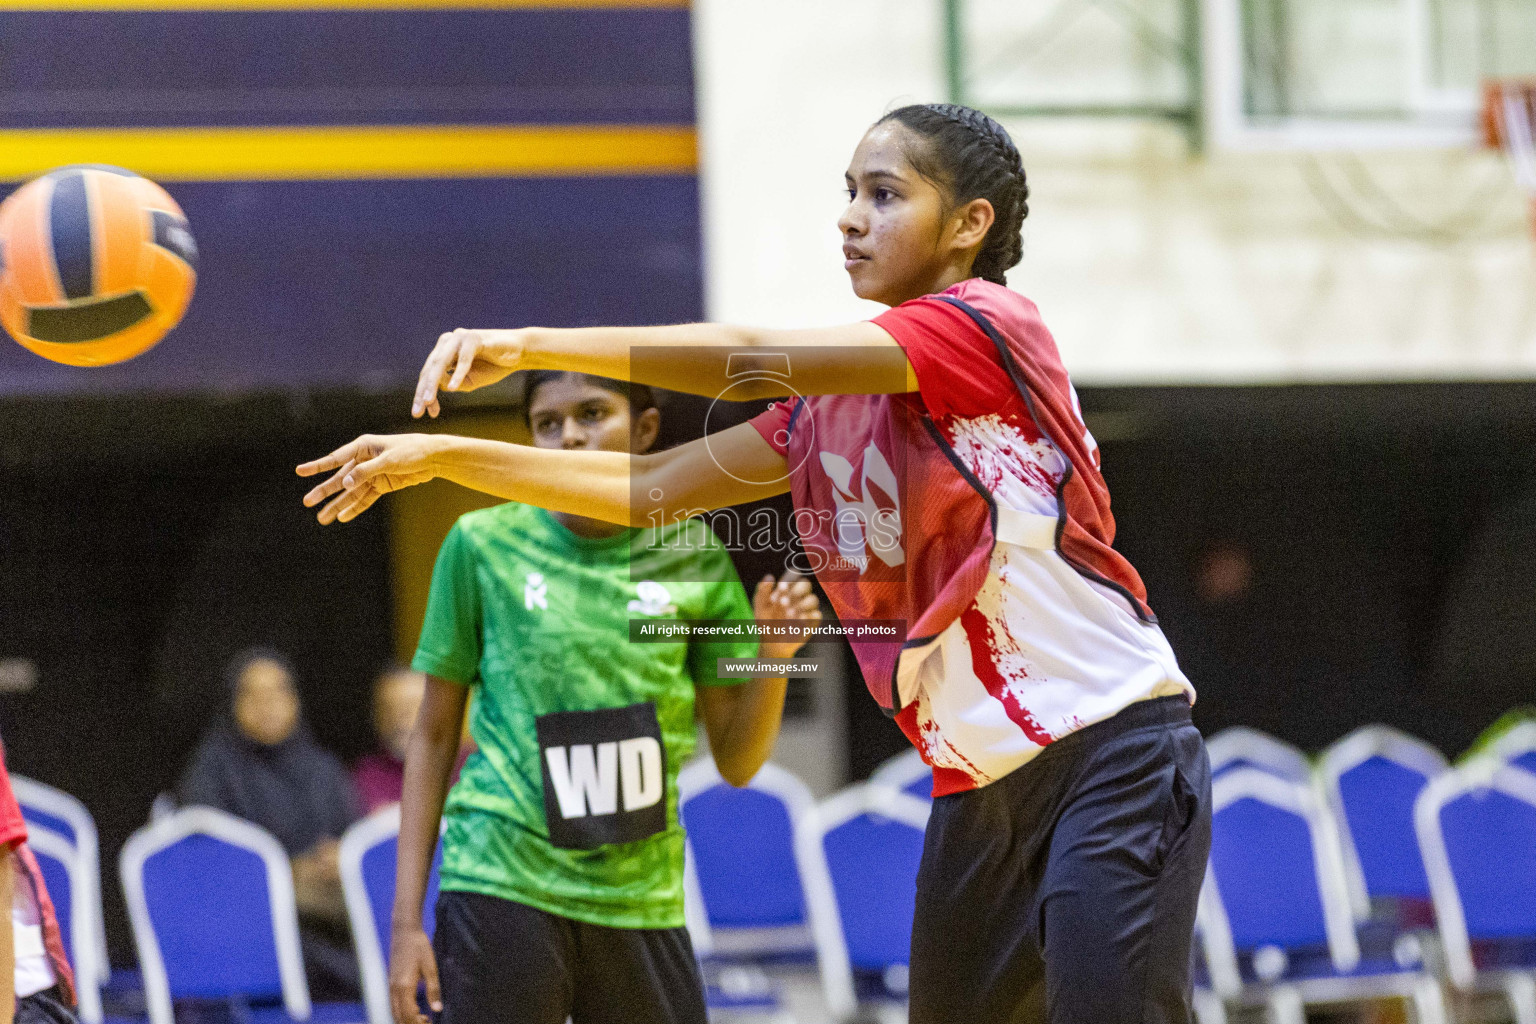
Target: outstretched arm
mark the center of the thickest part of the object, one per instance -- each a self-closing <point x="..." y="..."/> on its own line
<point x="632" y="490"/>
<point x="701" y="359"/>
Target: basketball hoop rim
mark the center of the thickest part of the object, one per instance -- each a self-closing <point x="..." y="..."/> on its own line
<point x="1509" y="124"/>
<point x="1496" y="96"/>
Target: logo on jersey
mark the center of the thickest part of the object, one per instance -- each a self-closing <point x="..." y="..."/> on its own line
<point x="536" y="592"/>
<point x="604" y="775"/>
<point x="652" y="599"/>
<point x="861" y="523"/>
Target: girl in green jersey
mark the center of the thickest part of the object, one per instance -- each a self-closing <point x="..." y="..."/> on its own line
<point x="561" y="882"/>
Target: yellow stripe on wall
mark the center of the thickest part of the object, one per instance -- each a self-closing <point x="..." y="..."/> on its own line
<point x="257" y="154"/>
<point x="326" y="5"/>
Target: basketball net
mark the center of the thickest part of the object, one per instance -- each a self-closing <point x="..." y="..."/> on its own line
<point x="1509" y="115"/>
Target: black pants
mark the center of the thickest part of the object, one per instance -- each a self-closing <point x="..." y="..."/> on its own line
<point x="330" y="965"/>
<point x="45" y="1007"/>
<point x="1066" y="891"/>
<point x="502" y="962"/>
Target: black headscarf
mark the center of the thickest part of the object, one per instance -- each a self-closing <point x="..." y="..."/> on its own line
<point x="296" y="789"/>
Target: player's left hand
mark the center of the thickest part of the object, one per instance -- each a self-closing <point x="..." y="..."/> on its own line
<point x="366" y="470"/>
<point x="789" y="600"/>
<point x="464" y="360"/>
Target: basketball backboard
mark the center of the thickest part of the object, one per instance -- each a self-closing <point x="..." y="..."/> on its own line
<point x="1320" y="75"/>
<point x="1302" y="75"/>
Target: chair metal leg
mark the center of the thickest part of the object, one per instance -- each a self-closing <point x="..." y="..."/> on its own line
<point x="1520" y="990"/>
<point x="1429" y="1002"/>
<point x="1209" y="1009"/>
<point x="1284" y="1006"/>
<point x="772" y="1017"/>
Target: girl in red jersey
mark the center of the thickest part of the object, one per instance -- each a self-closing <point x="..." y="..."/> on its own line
<point x="943" y="478"/>
<point x="37" y="985"/>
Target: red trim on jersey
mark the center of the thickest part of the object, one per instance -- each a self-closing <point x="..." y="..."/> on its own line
<point x="945" y="780"/>
<point x="951" y="780"/>
<point x="984" y="647"/>
<point x="13" y="837"/>
<point x="13" y="827"/>
<point x="773" y="425"/>
<point x="53" y="939"/>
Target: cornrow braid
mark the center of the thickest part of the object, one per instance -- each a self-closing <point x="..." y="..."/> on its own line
<point x="970" y="156"/>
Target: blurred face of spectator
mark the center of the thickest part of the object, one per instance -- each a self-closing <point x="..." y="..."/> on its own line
<point x="266" y="703"/>
<point x="1224" y="573"/>
<point x="396" y="700"/>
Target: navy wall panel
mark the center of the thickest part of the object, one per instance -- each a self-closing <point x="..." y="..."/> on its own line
<point x="347" y="284"/>
<point x="175" y="68"/>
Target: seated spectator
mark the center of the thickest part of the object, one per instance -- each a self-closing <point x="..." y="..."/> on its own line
<point x="259" y="762"/>
<point x="397" y="694"/>
<point x="379" y="776"/>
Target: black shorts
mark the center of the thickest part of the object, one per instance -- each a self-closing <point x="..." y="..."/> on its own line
<point x="45" y="1007"/>
<point x="1066" y="891"/>
<point x="502" y="962"/>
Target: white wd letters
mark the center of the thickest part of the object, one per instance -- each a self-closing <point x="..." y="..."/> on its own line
<point x="587" y="778"/>
<point x="640" y="766"/>
<point x="582" y="780"/>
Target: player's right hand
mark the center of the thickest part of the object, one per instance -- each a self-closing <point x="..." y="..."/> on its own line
<point x="464" y="360"/>
<point x="411" y="964"/>
<point x="369" y="468"/>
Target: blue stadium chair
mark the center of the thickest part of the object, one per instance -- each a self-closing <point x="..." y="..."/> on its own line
<point x="368" y="851"/>
<point x="734" y="987"/>
<point x="1477" y="834"/>
<point x="906" y="772"/>
<point x="211" y="901"/>
<point x="1275" y="920"/>
<point x="1241" y="747"/>
<point x="56" y="810"/>
<point x="1371" y="779"/>
<point x="858" y="853"/>
<point x="743" y="897"/>
<point x="741" y="849"/>
<point x="1518" y="746"/>
<point x="66" y="875"/>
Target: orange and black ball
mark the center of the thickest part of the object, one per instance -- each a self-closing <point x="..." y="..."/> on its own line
<point x="96" y="265"/>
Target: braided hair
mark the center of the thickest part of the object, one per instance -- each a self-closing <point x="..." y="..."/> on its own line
<point x="970" y="156"/>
